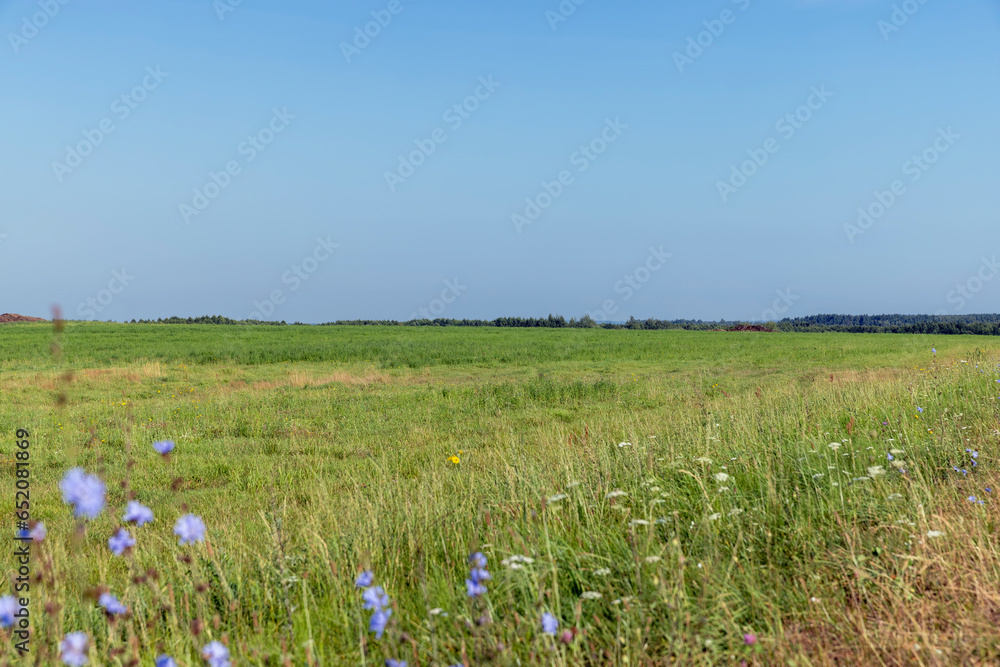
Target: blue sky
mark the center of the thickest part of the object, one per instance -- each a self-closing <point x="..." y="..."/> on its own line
<point x="312" y="228"/>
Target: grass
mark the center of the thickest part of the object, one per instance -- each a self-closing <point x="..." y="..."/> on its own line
<point x="315" y="452"/>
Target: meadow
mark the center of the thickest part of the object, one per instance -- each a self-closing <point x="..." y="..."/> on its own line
<point x="655" y="497"/>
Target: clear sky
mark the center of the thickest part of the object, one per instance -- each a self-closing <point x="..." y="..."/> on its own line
<point x="476" y="159"/>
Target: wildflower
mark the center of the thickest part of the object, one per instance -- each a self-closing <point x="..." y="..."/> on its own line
<point x="378" y="622"/>
<point x="721" y="477"/>
<point x="715" y="516"/>
<point x="703" y="459"/>
<point x="889" y="456"/>
<point x="817" y="475"/>
<point x="120" y="542"/>
<point x="165" y="661"/>
<point x="933" y="350"/>
<point x="190" y="529"/>
<point x="550" y="624"/>
<point x="616" y="494"/>
<point x="735" y="511"/>
<point x="436" y="610"/>
<point x="556" y="498"/>
<point x="390" y="662"/>
<point x="894" y="496"/>
<point x="478" y="574"/>
<point x="624" y="444"/>
<point x="896" y="451"/>
<point x="8" y="610"/>
<point x="834" y="446"/>
<point x="137" y="513"/>
<point x="85" y="492"/>
<point x="573" y="485"/>
<point x="215" y="654"/>
<point x="73" y="648"/>
<point x="934" y="533"/>
<point x="591" y="595"/>
<point x="652" y="559"/>
<point x="364" y="579"/>
<point x="454" y="459"/>
<point x="111" y="604"/>
<point x="38" y="533"/>
<point x="517" y="562"/>
<point x="875" y="471"/>
<point x="374" y="598"/>
<point x="972" y="499"/>
<point x="602" y="572"/>
<point x="920" y="409"/>
<point x="638" y="522"/>
<point x="749" y="639"/>
<point x="164" y="447"/>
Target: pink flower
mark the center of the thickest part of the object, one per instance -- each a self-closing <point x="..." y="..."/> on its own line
<point x="749" y="640"/>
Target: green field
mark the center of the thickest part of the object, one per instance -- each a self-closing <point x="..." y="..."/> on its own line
<point x="313" y="453"/>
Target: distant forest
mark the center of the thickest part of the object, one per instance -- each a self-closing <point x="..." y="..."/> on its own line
<point x="982" y="324"/>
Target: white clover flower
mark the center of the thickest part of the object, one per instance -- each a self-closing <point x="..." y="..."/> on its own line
<point x="591" y="595"/>
<point x="721" y="477"/>
<point x="559" y="496"/>
<point x="714" y="517"/>
<point x="616" y="494"/>
<point x="602" y="572"/>
<point x="934" y="533"/>
<point x="875" y="471"/>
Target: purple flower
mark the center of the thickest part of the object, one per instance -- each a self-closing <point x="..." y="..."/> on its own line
<point x="749" y="639"/>
<point x="389" y="662"/>
<point x="474" y="586"/>
<point x="477" y="560"/>
<point x="111" y="604"/>
<point x="85" y="492"/>
<point x="8" y="610"/>
<point x="378" y="621"/>
<point x="375" y="599"/>
<point x="74" y="649"/>
<point x="364" y="579"/>
<point x="138" y="513"/>
<point x="550" y="624"/>
<point x="474" y="590"/>
<point x="989" y="490"/>
<point x="165" y="661"/>
<point x="890" y="457"/>
<point x="120" y="542"/>
<point x="972" y="499"/>
<point x="38" y="533"/>
<point x="933" y="350"/>
<point x="920" y="409"/>
<point x="164" y="447"/>
<point x="215" y="654"/>
<point x="190" y="529"/>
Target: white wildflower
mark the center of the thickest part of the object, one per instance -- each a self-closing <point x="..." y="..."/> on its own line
<point x="591" y="595"/>
<point x="624" y="444"/>
<point x="652" y="559"/>
<point x="817" y="475"/>
<point x="638" y="522"/>
<point x="616" y="493"/>
<point x="602" y="572"/>
<point x="714" y="517"/>
<point x="703" y="459"/>
<point x="735" y="511"/>
<point x="573" y="485"/>
<point x="834" y="446"/>
<point x="559" y="496"/>
<point x="721" y="477"/>
<point x="875" y="471"/>
<point x="934" y="533"/>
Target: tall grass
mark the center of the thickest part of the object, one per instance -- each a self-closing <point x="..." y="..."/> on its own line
<point x="672" y="492"/>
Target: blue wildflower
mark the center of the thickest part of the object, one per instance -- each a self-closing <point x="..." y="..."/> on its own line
<point x="85" y="492"/>
<point x="920" y="409"/>
<point x="38" y="532"/>
<point x="111" y="604"/>
<point x="378" y="622"/>
<point x="121" y="542"/>
<point x="375" y="599"/>
<point x="165" y="661"/>
<point x="364" y="579"/>
<point x="215" y="654"/>
<point x="933" y="350"/>
<point x="474" y="586"/>
<point x="389" y="662"/>
<point x="889" y="456"/>
<point x="137" y="513"/>
<point x="73" y="648"/>
<point x="164" y="447"/>
<point x="190" y="529"/>
<point x="972" y="499"/>
<point x="8" y="610"/>
<point x="550" y="624"/>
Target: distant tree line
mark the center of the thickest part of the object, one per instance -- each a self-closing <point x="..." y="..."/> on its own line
<point x="987" y="324"/>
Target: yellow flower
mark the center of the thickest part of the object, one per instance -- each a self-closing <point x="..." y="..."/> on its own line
<point x="454" y="459"/>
